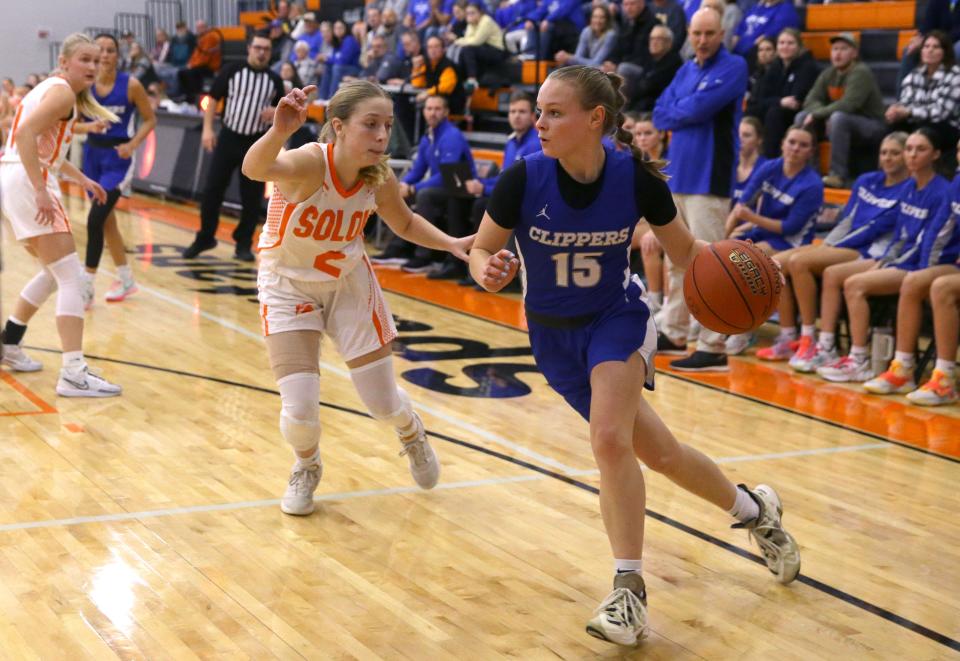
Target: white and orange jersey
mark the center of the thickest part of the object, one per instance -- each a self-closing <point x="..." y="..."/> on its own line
<point x="52" y="144"/>
<point x="321" y="238"/>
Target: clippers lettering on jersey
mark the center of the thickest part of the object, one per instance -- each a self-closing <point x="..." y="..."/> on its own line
<point x="914" y="212"/>
<point x="873" y="200"/>
<point x="579" y="239"/>
<point x="750" y="272"/>
<point x="777" y="194"/>
<point x="328" y="225"/>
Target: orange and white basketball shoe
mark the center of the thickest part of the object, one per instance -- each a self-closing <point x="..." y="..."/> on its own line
<point x="898" y="379"/>
<point x="940" y="389"/>
<point x="121" y="290"/>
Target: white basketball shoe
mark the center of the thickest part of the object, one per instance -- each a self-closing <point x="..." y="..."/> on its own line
<point x="424" y="465"/>
<point x="621" y="618"/>
<point x="298" y="498"/>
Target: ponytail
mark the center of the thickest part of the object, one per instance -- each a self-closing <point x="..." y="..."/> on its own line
<point x="625" y="137"/>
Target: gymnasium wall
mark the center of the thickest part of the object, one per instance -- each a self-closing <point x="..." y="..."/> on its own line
<point x="22" y="52"/>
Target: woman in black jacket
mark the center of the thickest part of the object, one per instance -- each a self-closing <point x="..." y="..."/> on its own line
<point x="780" y="92"/>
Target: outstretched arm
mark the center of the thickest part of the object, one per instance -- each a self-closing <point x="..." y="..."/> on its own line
<point x="413" y="227"/>
<point x="264" y="162"/>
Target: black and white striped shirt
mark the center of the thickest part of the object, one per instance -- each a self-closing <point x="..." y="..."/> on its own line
<point x="248" y="91"/>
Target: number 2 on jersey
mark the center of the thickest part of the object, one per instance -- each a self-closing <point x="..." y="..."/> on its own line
<point x="322" y="262"/>
<point x="585" y="268"/>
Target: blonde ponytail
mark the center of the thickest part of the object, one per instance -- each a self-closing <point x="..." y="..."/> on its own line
<point x="87" y="105"/>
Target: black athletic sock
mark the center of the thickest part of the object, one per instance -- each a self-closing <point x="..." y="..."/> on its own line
<point x="13" y="332"/>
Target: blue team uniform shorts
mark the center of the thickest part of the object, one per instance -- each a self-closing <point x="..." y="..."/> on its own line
<point x="104" y="166"/>
<point x="778" y="243"/>
<point x="567" y="356"/>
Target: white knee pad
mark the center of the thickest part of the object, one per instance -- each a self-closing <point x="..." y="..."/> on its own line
<point x="300" y="410"/>
<point x="38" y="290"/>
<point x="377" y="387"/>
<point x="69" y="276"/>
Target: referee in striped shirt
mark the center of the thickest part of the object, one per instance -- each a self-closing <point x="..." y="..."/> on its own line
<point x="252" y="92"/>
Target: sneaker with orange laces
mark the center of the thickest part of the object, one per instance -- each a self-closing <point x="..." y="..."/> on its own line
<point x="898" y="379"/>
<point x="940" y="389"/>
<point x="781" y="349"/>
<point x="810" y="355"/>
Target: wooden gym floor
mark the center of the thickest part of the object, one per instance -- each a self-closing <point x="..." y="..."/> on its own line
<point x="147" y="526"/>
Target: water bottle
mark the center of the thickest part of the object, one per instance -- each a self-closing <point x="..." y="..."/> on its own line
<point x="881" y="349"/>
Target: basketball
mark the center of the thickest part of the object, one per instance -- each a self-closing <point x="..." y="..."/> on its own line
<point x="732" y="287"/>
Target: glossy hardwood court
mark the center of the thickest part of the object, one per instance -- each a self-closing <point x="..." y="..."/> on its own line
<point x="148" y="526"/>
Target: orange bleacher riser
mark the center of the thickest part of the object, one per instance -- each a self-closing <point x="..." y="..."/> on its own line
<point x="313" y="5"/>
<point x="861" y="16"/>
<point x="824" y="154"/>
<point x="837" y="196"/>
<point x="903" y="38"/>
<point x="233" y="32"/>
<point x="482" y="100"/>
<point x="488" y="155"/>
<point x="316" y="112"/>
<point x="529" y="72"/>
<point x="255" y="19"/>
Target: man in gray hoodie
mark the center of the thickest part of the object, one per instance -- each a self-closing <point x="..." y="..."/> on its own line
<point x="846" y="97"/>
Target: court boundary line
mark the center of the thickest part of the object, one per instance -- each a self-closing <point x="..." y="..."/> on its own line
<point x="816" y="584"/>
<point x="254" y="504"/>
<point x="43" y="407"/>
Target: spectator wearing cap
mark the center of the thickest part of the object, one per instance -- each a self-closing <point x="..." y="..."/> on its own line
<point x="182" y="45"/>
<point x="311" y="34"/>
<point x="846" y="97"/>
<point x="930" y="96"/>
<point x="280" y="43"/>
<point x="765" y="19"/>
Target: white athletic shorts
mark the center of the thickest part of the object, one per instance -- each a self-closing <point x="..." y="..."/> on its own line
<point x="350" y="310"/>
<point x="20" y="204"/>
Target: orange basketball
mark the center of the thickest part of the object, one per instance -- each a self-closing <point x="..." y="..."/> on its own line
<point x="732" y="287"/>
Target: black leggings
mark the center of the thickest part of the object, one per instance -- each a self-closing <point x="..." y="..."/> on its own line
<point x="95" y="222"/>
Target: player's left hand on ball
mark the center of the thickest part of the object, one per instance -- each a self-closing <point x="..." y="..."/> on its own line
<point x="499" y="270"/>
<point x="460" y="248"/>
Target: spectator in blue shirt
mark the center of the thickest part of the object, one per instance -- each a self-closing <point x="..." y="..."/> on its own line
<point x="554" y="26"/>
<point x="765" y="19"/>
<point x="311" y="34"/>
<point x="442" y="143"/>
<point x="701" y="107"/>
<point x="343" y="61"/>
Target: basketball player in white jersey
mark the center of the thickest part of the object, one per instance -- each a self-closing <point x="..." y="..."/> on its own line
<point x="315" y="278"/>
<point x="32" y="161"/>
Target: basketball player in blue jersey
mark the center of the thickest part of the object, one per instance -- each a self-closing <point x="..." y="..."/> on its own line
<point x="573" y="208"/>
<point x="108" y="160"/>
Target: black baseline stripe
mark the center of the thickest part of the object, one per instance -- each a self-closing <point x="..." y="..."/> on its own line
<point x="820" y="586"/>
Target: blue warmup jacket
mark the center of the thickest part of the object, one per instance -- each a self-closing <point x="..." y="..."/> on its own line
<point x="448" y="145"/>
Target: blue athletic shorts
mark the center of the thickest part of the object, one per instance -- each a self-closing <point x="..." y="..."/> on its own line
<point x="778" y="243"/>
<point x="567" y="356"/>
<point x="104" y="166"/>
